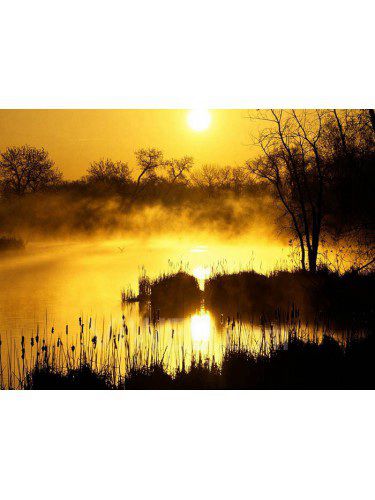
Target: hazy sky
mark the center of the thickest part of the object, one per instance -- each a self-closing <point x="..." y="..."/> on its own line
<point x="74" y="138"/>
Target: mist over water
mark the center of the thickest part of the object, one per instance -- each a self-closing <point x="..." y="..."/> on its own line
<point x="82" y="251"/>
<point x="50" y="287"/>
<point x="70" y="215"/>
<point x="54" y="283"/>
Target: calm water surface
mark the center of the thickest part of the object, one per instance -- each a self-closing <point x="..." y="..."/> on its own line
<point x="50" y="286"/>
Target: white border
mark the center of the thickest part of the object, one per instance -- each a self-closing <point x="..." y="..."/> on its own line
<point x="168" y="445"/>
<point x="168" y="54"/>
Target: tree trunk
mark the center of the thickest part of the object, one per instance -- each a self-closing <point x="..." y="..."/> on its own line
<point x="313" y="250"/>
<point x="313" y="257"/>
<point x="303" y="252"/>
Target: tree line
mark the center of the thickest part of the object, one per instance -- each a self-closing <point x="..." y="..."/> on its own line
<point x="27" y="169"/>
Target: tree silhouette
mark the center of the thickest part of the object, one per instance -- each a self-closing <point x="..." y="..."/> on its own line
<point x="27" y="169"/>
<point x="293" y="163"/>
<point x="108" y="171"/>
<point x="212" y="178"/>
<point x="349" y="141"/>
<point x="239" y="179"/>
<point x="304" y="154"/>
<point x="148" y="162"/>
<point x="178" y="169"/>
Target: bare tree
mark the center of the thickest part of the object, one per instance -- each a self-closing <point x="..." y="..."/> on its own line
<point x="306" y="155"/>
<point x="212" y="178"/>
<point x="239" y="179"/>
<point x="178" y="169"/>
<point x="148" y="162"/>
<point x="348" y="134"/>
<point x="293" y="162"/>
<point x="349" y="139"/>
<point x="108" y="171"/>
<point x="27" y="169"/>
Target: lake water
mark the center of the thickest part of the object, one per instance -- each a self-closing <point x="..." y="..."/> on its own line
<point x="49" y="286"/>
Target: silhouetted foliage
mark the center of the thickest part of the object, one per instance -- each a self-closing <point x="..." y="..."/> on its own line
<point x="296" y="365"/>
<point x="303" y="155"/>
<point x="173" y="294"/>
<point x="149" y="162"/>
<point x="27" y="169"/>
<point x="109" y="172"/>
<point x="82" y="378"/>
<point x="179" y="169"/>
<point x="343" y="299"/>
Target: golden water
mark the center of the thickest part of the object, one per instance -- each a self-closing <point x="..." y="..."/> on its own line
<point x="49" y="286"/>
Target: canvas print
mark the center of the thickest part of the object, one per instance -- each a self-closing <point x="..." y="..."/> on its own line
<point x="187" y="249"/>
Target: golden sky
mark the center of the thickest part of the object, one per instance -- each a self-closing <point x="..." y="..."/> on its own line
<point x="74" y="138"/>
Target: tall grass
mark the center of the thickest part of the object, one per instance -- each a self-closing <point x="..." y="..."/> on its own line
<point x="285" y="356"/>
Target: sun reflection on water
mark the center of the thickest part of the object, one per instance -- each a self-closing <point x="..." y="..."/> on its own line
<point x="201" y="273"/>
<point x="200" y="325"/>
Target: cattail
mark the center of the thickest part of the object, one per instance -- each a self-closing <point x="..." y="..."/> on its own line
<point x="58" y="342"/>
<point x="73" y="348"/>
<point x="80" y="321"/>
<point x="32" y="341"/>
<point x="53" y="329"/>
<point x="22" y="341"/>
<point x="67" y="329"/>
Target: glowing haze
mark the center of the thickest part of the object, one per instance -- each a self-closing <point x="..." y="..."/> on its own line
<point x="75" y="138"/>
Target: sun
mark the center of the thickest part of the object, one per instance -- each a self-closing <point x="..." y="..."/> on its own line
<point x="199" y="119"/>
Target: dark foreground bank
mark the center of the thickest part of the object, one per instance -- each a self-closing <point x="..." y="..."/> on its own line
<point x="296" y="365"/>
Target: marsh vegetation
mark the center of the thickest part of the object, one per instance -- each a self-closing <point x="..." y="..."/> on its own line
<point x="283" y="356"/>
